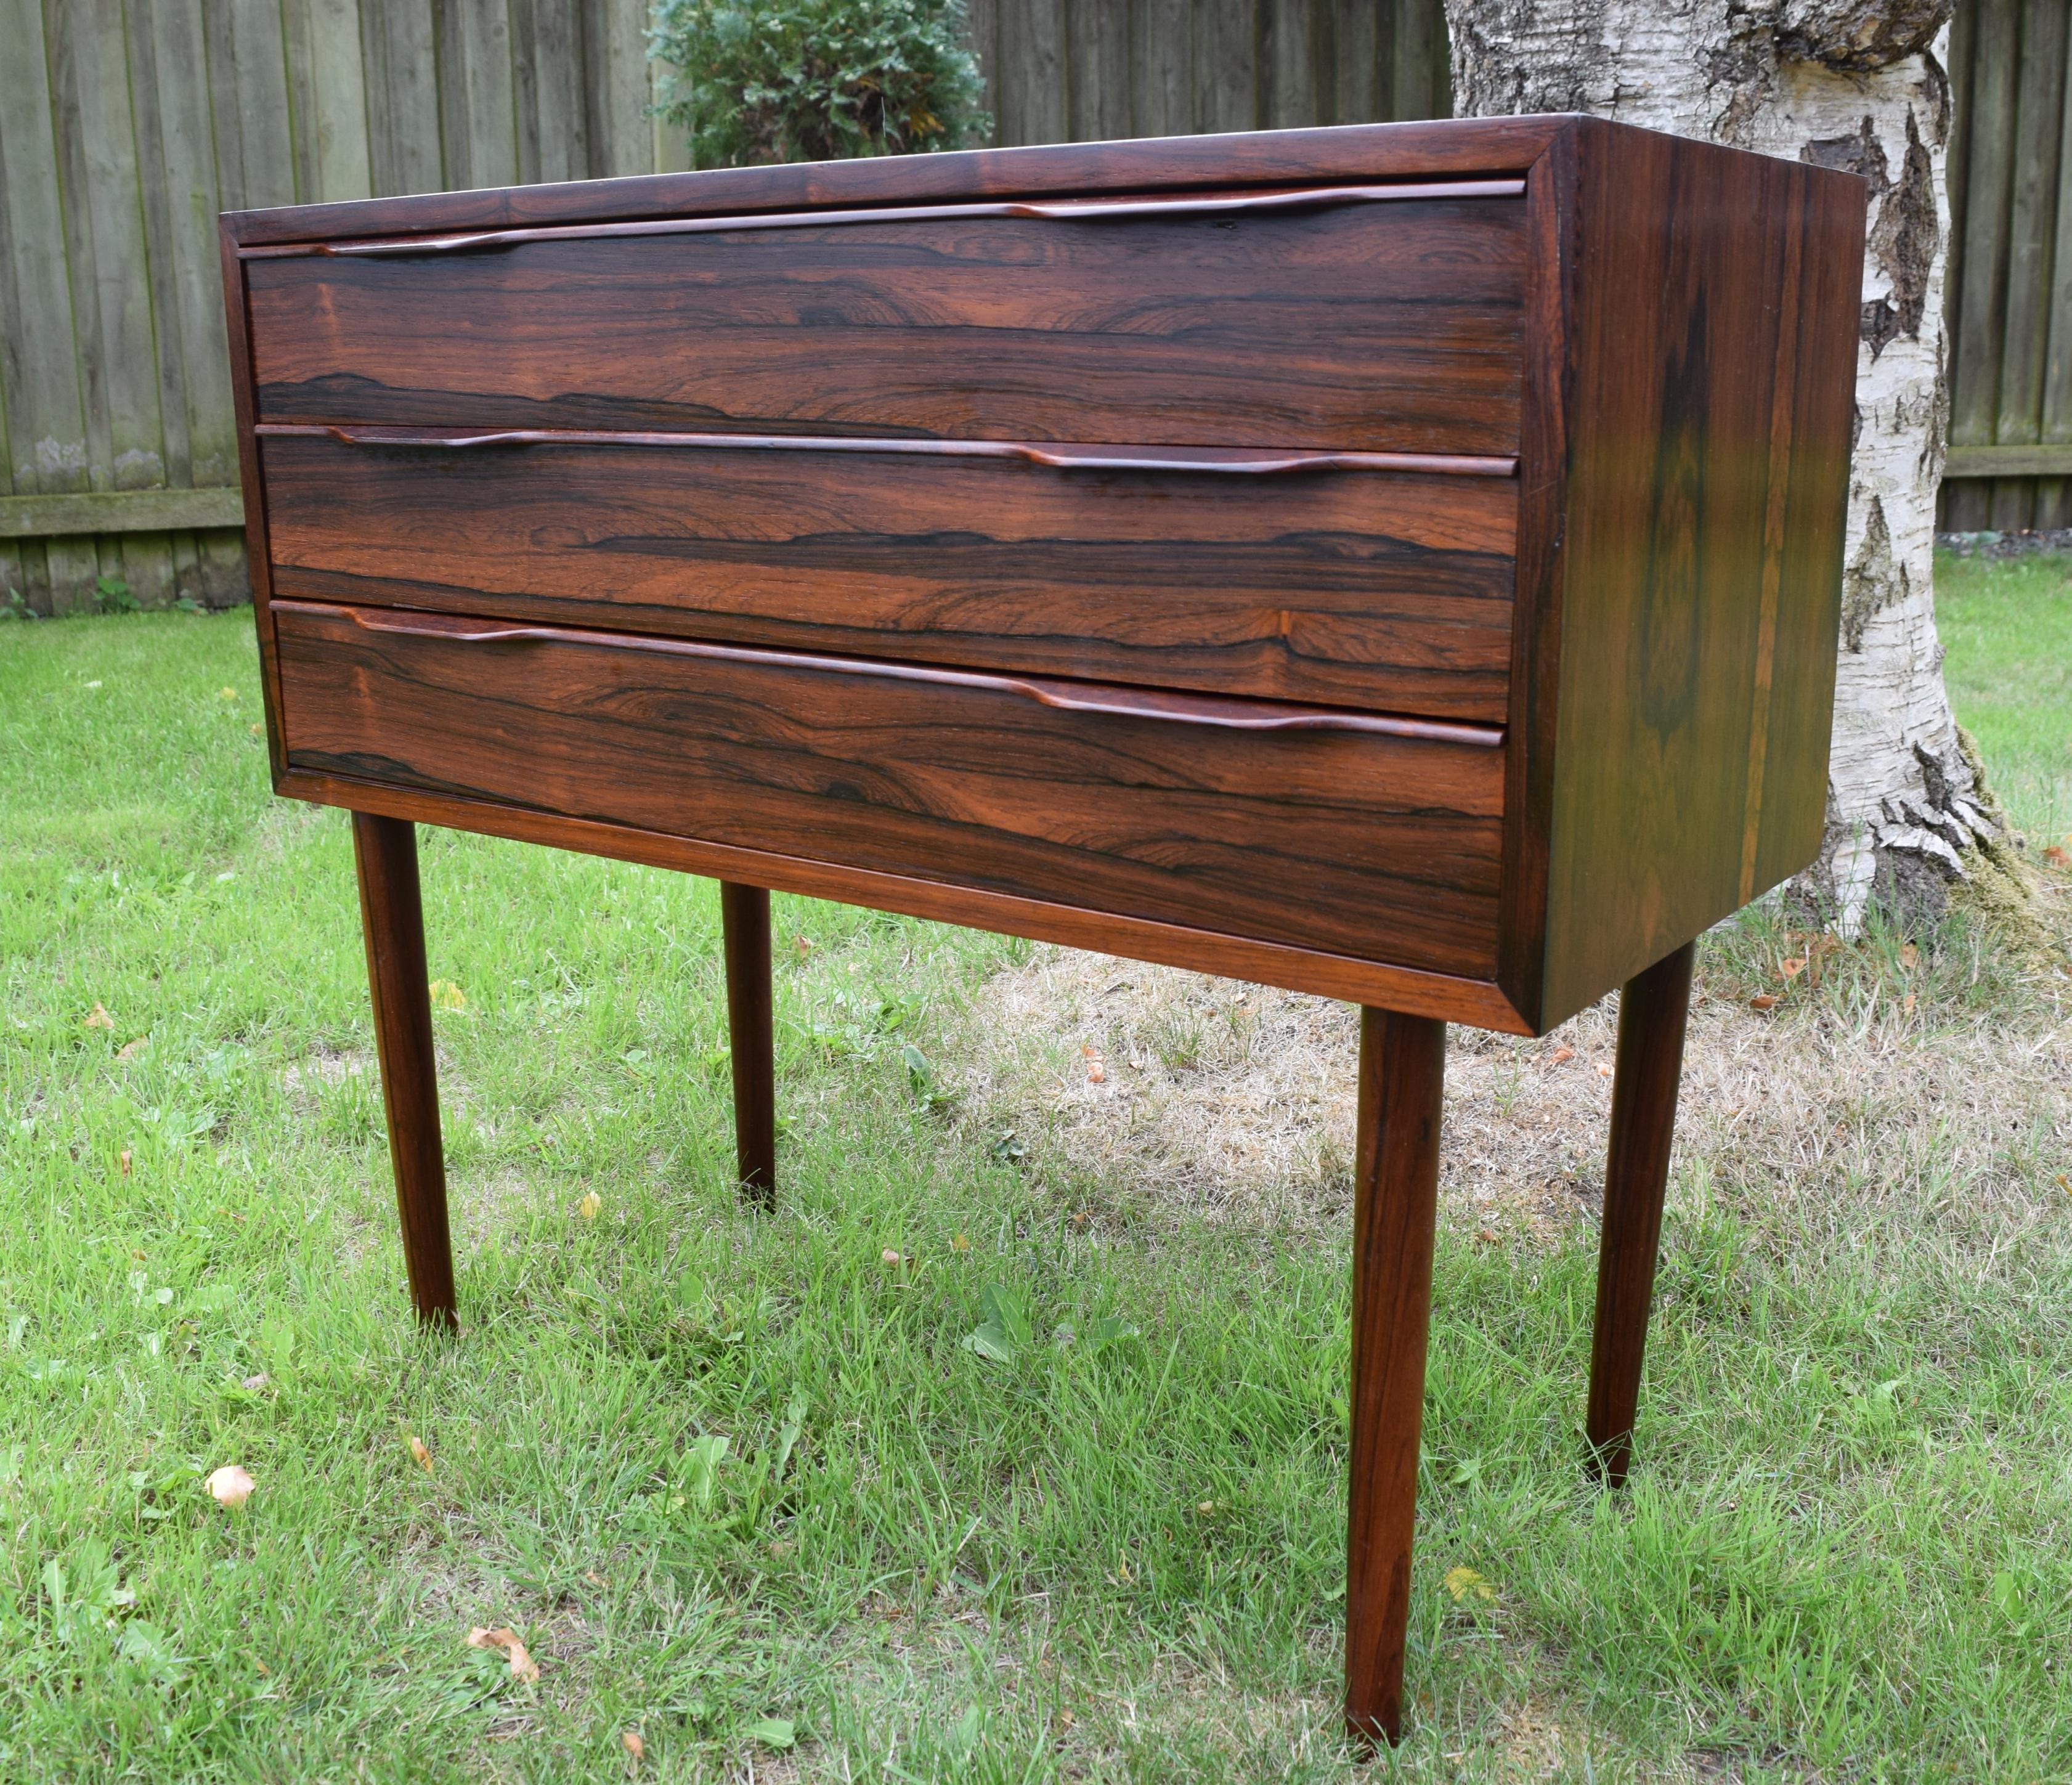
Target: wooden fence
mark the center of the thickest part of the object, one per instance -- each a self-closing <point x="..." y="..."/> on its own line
<point x="2011" y="267"/>
<point x="1065" y="70"/>
<point x="126" y="125"/>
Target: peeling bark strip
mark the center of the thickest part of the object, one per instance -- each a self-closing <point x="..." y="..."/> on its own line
<point x="1857" y="85"/>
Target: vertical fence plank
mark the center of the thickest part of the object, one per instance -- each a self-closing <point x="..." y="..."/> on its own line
<point x="14" y="584"/>
<point x="547" y="51"/>
<point x="1960" y="504"/>
<point x="1975" y="395"/>
<point x="1226" y="35"/>
<point x="258" y="77"/>
<point x="125" y="280"/>
<point x="111" y="316"/>
<point x="1361" y="98"/>
<point x="400" y="47"/>
<point x="1285" y="74"/>
<point x="525" y="91"/>
<point x="38" y="356"/>
<point x="327" y="100"/>
<point x="1097" y="32"/>
<point x="2039" y="108"/>
<point x="187" y="276"/>
<point x="1161" y="67"/>
<point x="476" y="124"/>
<point x="1034" y="87"/>
<point x="619" y="139"/>
<point x="1423" y="83"/>
<point x="2053" y="496"/>
<point x="160" y="177"/>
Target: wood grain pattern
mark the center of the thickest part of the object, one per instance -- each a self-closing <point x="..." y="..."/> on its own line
<point x="1709" y="357"/>
<point x="1445" y="996"/>
<point x="1396" y="1193"/>
<point x="1355" y="588"/>
<point x="751" y="1038"/>
<point x="1652" y="1010"/>
<point x="1391" y="840"/>
<point x="1376" y="326"/>
<point x="393" y="920"/>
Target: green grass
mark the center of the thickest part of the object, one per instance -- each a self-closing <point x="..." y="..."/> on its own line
<point x="2007" y="627"/>
<point x="1847" y="1548"/>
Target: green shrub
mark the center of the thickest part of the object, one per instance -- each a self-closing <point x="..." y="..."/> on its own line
<point x="819" y="79"/>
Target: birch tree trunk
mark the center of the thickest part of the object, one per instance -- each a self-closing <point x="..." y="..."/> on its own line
<point x="1857" y="85"/>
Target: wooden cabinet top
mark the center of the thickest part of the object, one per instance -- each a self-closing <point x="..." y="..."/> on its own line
<point x="1400" y="561"/>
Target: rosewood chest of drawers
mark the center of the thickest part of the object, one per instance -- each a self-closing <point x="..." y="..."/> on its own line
<point x="1398" y="562"/>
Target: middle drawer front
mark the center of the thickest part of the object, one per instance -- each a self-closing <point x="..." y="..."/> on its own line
<point x="1349" y="587"/>
<point x="1320" y="830"/>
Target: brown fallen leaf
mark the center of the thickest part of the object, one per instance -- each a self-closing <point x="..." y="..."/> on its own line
<point x="122" y="1159"/>
<point x="1790" y="969"/>
<point x="129" y="1049"/>
<point x="1486" y="1236"/>
<point x="1604" y="1072"/>
<point x="2056" y="857"/>
<point x="231" y="1484"/>
<point x="523" y="1666"/>
<point x="1762" y="1001"/>
<point x="888" y="1256"/>
<point x="633" y="1745"/>
<point x="803" y="947"/>
<point x="98" y="1018"/>
<point x="590" y="1205"/>
<point x="959" y="1242"/>
<point x="1096" y="1073"/>
<point x="1909" y="956"/>
<point x="1561" y="1056"/>
<point x="422" y="1452"/>
<point x="1906" y="1004"/>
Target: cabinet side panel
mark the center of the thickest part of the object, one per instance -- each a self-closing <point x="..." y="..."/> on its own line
<point x="1808" y="511"/>
<point x="1710" y="378"/>
<point x="1543" y="462"/>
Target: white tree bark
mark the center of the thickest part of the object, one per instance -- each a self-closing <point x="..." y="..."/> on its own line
<point x="1852" y="84"/>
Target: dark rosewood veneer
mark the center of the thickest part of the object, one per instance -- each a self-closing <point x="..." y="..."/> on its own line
<point x="1399" y="562"/>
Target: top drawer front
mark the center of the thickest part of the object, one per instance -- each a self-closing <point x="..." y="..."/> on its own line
<point x="1385" y="326"/>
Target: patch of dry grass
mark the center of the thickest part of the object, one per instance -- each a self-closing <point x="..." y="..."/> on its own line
<point x="1843" y="1091"/>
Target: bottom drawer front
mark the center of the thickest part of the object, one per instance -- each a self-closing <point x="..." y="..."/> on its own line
<point x="1321" y="835"/>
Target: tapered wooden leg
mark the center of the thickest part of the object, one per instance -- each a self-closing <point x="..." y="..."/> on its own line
<point x="745" y="919"/>
<point x="1652" y="1009"/>
<point x="1402" y="1077"/>
<point x="393" y="917"/>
